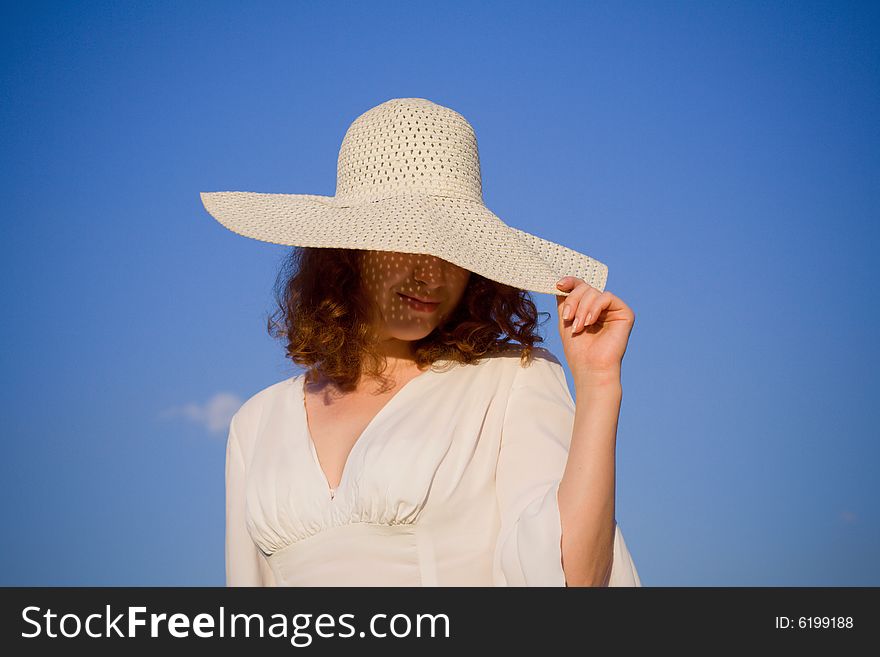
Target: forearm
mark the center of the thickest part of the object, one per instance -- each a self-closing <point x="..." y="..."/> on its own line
<point x="586" y="492"/>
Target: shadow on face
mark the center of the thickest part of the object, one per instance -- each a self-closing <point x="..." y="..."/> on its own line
<point x="414" y="293"/>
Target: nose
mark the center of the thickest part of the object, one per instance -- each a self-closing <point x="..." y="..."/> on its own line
<point x="428" y="270"/>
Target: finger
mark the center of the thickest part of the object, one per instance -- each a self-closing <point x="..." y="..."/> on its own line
<point x="600" y="303"/>
<point x="584" y="310"/>
<point x="571" y="303"/>
<point x="566" y="283"/>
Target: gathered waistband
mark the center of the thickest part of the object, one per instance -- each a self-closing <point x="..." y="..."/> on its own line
<point x="359" y="554"/>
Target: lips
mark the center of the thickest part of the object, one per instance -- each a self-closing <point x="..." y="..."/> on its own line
<point x="419" y="298"/>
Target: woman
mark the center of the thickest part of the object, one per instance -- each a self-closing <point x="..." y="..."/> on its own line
<point x="422" y="447"/>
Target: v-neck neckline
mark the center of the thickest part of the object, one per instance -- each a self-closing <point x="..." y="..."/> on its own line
<point x="332" y="493"/>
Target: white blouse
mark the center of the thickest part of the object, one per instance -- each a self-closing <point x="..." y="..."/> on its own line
<point x="452" y="483"/>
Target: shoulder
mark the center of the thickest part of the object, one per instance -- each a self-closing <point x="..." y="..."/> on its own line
<point x="545" y="372"/>
<point x="543" y="369"/>
<point x="544" y="357"/>
<point x="509" y="361"/>
<point x="542" y="360"/>
<point x="247" y="417"/>
<point x="511" y="357"/>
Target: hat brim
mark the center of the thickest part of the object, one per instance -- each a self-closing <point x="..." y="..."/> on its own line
<point x="461" y="231"/>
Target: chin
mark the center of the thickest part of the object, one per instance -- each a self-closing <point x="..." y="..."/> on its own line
<point x="412" y="333"/>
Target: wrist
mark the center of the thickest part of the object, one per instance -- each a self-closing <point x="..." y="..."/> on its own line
<point x="598" y="379"/>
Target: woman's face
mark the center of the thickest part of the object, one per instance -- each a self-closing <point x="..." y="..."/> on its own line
<point x="391" y="277"/>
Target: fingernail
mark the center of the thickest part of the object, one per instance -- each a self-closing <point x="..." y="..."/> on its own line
<point x="566" y="312"/>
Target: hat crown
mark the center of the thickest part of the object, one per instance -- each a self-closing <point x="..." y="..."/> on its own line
<point x="409" y="146"/>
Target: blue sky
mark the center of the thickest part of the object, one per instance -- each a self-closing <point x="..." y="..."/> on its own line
<point x="722" y="158"/>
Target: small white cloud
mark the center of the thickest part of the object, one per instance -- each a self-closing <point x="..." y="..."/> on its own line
<point x="849" y="517"/>
<point x="214" y="415"/>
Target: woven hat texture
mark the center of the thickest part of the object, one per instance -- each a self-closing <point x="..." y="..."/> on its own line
<point x="408" y="179"/>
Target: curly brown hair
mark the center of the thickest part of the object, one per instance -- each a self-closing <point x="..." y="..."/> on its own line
<point x="326" y="328"/>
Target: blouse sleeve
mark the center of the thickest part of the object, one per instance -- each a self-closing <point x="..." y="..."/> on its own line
<point x="536" y="435"/>
<point x="245" y="564"/>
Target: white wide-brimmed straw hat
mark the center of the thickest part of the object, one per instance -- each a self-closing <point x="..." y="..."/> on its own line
<point x="408" y="179"/>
